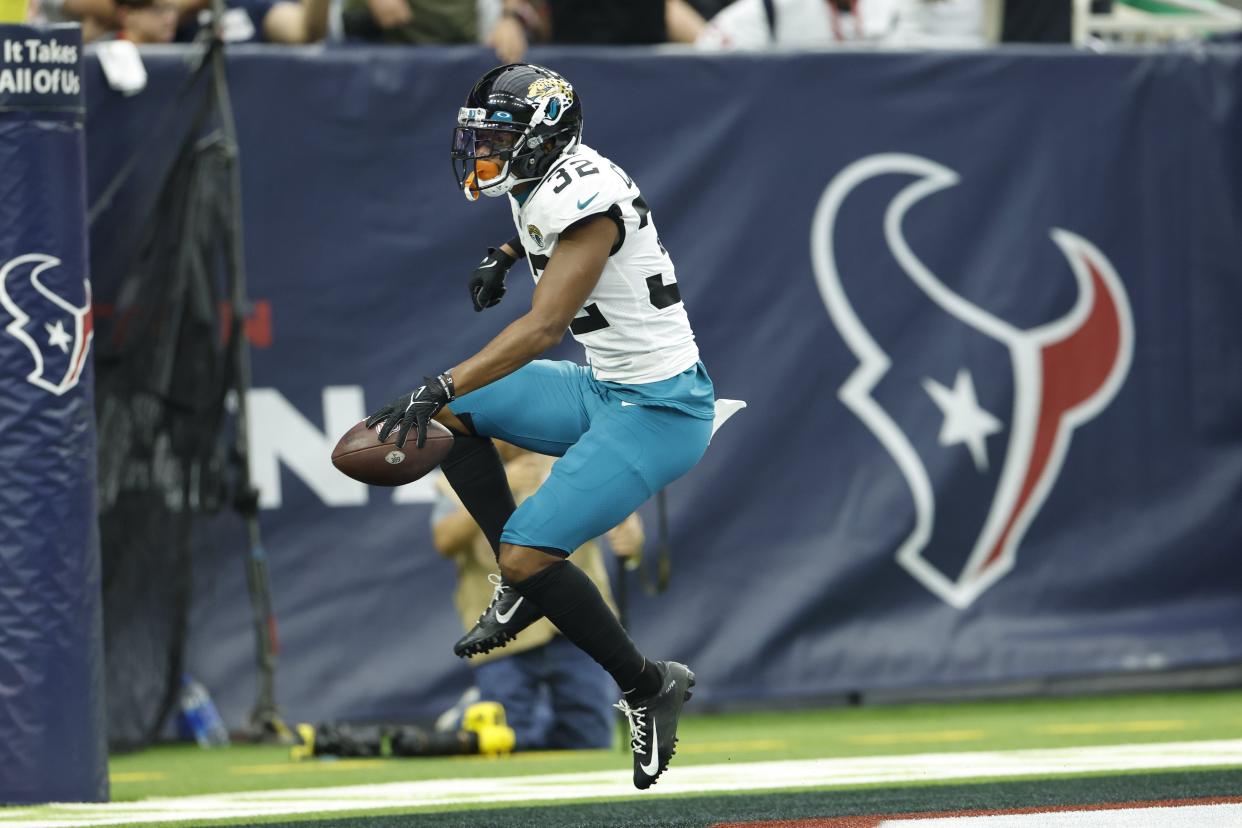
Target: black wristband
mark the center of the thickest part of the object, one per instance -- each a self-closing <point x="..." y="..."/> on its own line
<point x="446" y="382"/>
<point x="516" y="244"/>
<point x="500" y="256"/>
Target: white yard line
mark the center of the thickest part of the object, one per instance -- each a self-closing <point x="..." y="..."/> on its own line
<point x="1189" y="816"/>
<point x="705" y="779"/>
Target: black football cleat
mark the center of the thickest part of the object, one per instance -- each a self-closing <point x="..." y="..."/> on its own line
<point x="653" y="722"/>
<point x="506" y="616"/>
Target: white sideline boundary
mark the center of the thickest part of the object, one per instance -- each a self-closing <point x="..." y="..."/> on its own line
<point x="1184" y="816"/>
<point x="685" y="779"/>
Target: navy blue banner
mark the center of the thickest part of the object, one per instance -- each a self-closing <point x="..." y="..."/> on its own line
<point x="40" y="68"/>
<point x="51" y="662"/>
<point x="982" y="307"/>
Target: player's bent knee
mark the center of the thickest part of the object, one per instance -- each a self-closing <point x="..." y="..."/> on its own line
<point x="517" y="563"/>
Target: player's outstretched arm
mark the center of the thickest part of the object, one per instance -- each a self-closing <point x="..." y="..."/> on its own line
<point x="568" y="280"/>
<point x="570" y="277"/>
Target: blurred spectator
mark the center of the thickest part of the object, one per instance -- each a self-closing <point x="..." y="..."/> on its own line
<point x="947" y="24"/>
<point x="708" y="9"/>
<point x="630" y="21"/>
<point x="761" y="24"/>
<point x="146" y="21"/>
<point x="512" y="25"/>
<point x="270" y="21"/>
<point x="1037" y="21"/>
<point x="96" y="16"/>
<point x="554" y="695"/>
<point x="684" y="22"/>
<point x="414" y="22"/>
<point x="523" y="22"/>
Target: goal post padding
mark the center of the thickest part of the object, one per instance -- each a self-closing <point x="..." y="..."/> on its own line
<point x="52" y="729"/>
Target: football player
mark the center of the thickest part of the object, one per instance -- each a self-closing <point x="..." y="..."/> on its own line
<point x="635" y="418"/>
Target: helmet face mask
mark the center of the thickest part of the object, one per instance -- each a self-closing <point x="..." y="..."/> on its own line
<point x="481" y="156"/>
<point x="517" y="121"/>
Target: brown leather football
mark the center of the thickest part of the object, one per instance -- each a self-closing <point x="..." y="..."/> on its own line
<point x="360" y="454"/>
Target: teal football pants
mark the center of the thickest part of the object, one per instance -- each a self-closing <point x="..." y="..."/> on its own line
<point x="614" y="452"/>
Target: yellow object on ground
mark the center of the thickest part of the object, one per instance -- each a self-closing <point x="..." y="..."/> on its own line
<point x="487" y="719"/>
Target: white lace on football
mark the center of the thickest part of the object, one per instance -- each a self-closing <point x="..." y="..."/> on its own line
<point x="636" y="716"/>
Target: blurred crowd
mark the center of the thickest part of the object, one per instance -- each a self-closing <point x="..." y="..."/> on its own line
<point x="510" y="27"/>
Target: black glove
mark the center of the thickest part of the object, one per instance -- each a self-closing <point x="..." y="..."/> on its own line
<point x="414" y="409"/>
<point x="487" y="283"/>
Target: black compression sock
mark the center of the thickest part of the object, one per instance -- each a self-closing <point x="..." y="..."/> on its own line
<point x="573" y="603"/>
<point x="647" y="683"/>
<point x="474" y="470"/>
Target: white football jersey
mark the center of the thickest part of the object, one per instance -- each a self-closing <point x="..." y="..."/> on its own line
<point x="633" y="325"/>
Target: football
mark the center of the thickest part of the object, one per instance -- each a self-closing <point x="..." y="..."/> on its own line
<point x="360" y="454"/>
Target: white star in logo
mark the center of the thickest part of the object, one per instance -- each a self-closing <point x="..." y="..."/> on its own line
<point x="964" y="421"/>
<point x="57" y="337"/>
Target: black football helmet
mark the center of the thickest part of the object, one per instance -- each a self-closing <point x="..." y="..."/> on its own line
<point x="518" y="119"/>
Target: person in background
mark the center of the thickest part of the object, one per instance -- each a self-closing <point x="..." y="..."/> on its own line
<point x="1037" y="21"/>
<point x="513" y="25"/>
<point x="257" y="21"/>
<point x="947" y="24"/>
<point x="552" y="695"/>
<point x="708" y="9"/>
<point x="555" y="697"/>
<point x="762" y="24"/>
<point x="146" y="21"/>
<point x="601" y="22"/>
<point x="181" y="21"/>
<point x="95" y="15"/>
<point x="409" y="22"/>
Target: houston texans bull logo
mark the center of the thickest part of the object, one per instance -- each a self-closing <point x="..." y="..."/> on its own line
<point x="952" y="376"/>
<point x="55" y="331"/>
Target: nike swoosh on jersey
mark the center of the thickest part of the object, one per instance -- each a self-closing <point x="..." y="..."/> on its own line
<point x="624" y="403"/>
<point x="503" y="617"/>
<point x="582" y="205"/>
<point x="653" y="765"/>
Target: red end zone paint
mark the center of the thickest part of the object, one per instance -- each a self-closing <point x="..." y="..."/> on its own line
<point x="871" y="821"/>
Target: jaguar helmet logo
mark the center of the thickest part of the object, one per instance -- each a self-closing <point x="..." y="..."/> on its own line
<point x="552" y="98"/>
<point x="547" y="87"/>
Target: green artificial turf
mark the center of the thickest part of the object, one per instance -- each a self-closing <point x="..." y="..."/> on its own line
<point x="179" y="770"/>
<point x="703" y="811"/>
